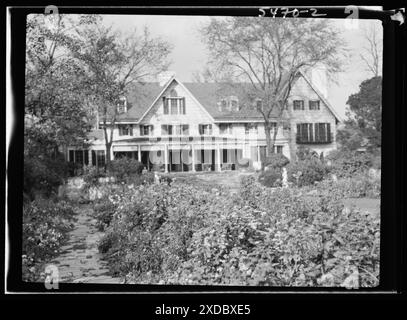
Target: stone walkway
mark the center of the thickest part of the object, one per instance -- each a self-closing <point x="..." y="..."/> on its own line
<point x="80" y="261"/>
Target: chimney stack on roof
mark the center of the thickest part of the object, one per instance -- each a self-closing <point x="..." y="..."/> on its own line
<point x="164" y="77"/>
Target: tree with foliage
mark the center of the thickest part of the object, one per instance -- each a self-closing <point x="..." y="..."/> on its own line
<point x="114" y="62"/>
<point x="364" y="117"/>
<point x="269" y="53"/>
<point x="54" y="112"/>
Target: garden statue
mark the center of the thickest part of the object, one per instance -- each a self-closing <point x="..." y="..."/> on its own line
<point x="257" y="165"/>
<point x="285" y="178"/>
<point x="156" y="178"/>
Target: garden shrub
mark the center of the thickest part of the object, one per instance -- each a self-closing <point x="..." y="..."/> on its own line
<point x="45" y="225"/>
<point x="103" y="211"/>
<point x="349" y="163"/>
<point x="271" y="177"/>
<point x="358" y="186"/>
<point x="91" y="176"/>
<point x="182" y="234"/>
<point x="306" y="172"/>
<point x="42" y="177"/>
<point x="304" y="153"/>
<point x="275" y="160"/>
<point x="125" y="168"/>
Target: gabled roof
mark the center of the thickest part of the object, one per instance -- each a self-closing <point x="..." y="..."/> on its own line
<point x="142" y="97"/>
<point x="321" y="96"/>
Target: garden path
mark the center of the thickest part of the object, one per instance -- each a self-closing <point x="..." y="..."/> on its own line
<point x="80" y="261"/>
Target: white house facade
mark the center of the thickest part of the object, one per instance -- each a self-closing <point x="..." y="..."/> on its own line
<point x="207" y="126"/>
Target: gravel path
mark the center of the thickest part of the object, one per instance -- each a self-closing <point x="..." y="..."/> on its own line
<point x="80" y="261"/>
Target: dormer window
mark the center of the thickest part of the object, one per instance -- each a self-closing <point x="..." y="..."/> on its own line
<point x="122" y="105"/>
<point x="234" y="104"/>
<point x="229" y="104"/>
<point x="259" y="104"/>
<point x="174" y="104"/>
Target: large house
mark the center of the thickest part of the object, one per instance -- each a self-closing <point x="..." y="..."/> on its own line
<point x="174" y="126"/>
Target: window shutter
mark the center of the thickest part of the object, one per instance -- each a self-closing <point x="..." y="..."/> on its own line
<point x="183" y="111"/>
<point x="131" y="129"/>
<point x="141" y="130"/>
<point x="328" y="128"/>
<point x="151" y="130"/>
<point x="120" y="130"/>
<point x="165" y="105"/>
<point x="93" y="158"/>
<point x="316" y="132"/>
<point x="86" y="152"/>
<point x="311" y="136"/>
<point x="200" y="129"/>
<point x="322" y="135"/>
<point x="298" y="131"/>
<point x="71" y="156"/>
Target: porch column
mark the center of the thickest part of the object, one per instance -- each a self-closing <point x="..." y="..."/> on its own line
<point x="90" y="157"/>
<point x="111" y="153"/>
<point x="218" y="157"/>
<point x="166" y="158"/>
<point x="258" y="153"/>
<point x="193" y="157"/>
<point x="139" y="152"/>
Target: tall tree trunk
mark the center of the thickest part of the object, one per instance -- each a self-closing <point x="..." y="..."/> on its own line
<point x="270" y="141"/>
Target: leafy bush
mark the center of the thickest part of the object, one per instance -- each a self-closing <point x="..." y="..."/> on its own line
<point x="306" y="172"/>
<point x="103" y="210"/>
<point x="43" y="176"/>
<point x="358" y="186"/>
<point x="304" y="153"/>
<point x="349" y="163"/>
<point x="125" y="168"/>
<point x="275" y="160"/>
<point x="271" y="177"/>
<point x="182" y="234"/>
<point x="45" y="225"/>
<point x="91" y="176"/>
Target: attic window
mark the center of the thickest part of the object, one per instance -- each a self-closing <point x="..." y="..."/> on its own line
<point x="223" y="105"/>
<point x="122" y="105"/>
<point x="259" y="104"/>
<point x="234" y="104"/>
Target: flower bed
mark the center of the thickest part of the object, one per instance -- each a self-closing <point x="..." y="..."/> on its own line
<point x="45" y="226"/>
<point x="181" y="234"/>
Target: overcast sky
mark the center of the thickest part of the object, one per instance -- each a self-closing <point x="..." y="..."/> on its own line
<point x="189" y="53"/>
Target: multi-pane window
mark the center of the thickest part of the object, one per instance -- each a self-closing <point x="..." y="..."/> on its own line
<point x="225" y="128"/>
<point x="79" y="156"/>
<point x="250" y="127"/>
<point x="125" y="129"/>
<point x="122" y="105"/>
<point x="179" y="129"/>
<point x="298" y="104"/>
<point x="234" y="105"/>
<point x="205" y="129"/>
<point x="279" y="149"/>
<point x="314" y="104"/>
<point x="166" y="130"/>
<point x="259" y="104"/>
<point x="174" y="105"/>
<point x="314" y="133"/>
<point x="146" y="130"/>
<point x="101" y="158"/>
